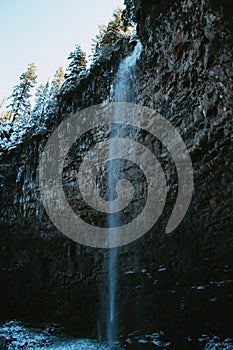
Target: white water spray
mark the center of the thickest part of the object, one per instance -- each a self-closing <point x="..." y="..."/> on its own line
<point x="121" y="93"/>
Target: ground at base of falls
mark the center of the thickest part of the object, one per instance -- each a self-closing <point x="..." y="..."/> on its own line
<point x="15" y="335"/>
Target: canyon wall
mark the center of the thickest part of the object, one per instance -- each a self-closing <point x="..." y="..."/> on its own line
<point x="182" y="281"/>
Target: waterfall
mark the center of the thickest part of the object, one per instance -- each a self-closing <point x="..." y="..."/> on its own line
<point x="121" y="92"/>
<point x="125" y="76"/>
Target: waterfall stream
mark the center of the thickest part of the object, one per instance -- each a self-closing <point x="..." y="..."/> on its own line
<point x="121" y="92"/>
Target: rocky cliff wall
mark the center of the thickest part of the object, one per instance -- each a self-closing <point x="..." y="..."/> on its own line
<point x="182" y="281"/>
<point x="186" y="74"/>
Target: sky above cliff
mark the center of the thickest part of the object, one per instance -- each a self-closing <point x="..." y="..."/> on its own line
<point x="45" y="32"/>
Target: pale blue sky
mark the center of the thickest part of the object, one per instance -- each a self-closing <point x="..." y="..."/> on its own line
<point x="45" y="32"/>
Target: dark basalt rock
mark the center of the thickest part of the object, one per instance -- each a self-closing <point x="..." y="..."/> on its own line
<point x="181" y="282"/>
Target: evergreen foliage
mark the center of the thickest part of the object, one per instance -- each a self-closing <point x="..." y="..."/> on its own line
<point x="77" y="65"/>
<point x="20" y="105"/>
<point x="41" y="102"/>
<point x="128" y="13"/>
<point x="109" y="35"/>
<point x="57" y="81"/>
<point x="20" y="119"/>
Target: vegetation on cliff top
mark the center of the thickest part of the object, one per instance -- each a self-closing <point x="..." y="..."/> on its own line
<point x="28" y="112"/>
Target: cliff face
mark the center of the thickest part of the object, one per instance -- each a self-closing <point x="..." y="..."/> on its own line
<point x="186" y="74"/>
<point x="182" y="281"/>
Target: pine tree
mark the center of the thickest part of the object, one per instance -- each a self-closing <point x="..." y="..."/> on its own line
<point x="41" y="102"/>
<point x="20" y="105"/>
<point x="109" y="34"/>
<point x="76" y="66"/>
<point x="53" y="93"/>
<point x="114" y="29"/>
<point x="128" y="13"/>
<point x="57" y="81"/>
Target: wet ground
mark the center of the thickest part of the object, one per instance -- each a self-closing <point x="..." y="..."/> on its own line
<point x="15" y="335"/>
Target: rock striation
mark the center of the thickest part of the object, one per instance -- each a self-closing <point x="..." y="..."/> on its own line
<point x="181" y="282"/>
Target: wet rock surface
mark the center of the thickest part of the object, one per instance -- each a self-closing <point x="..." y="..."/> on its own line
<point x="15" y="335"/>
<point x="182" y="282"/>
